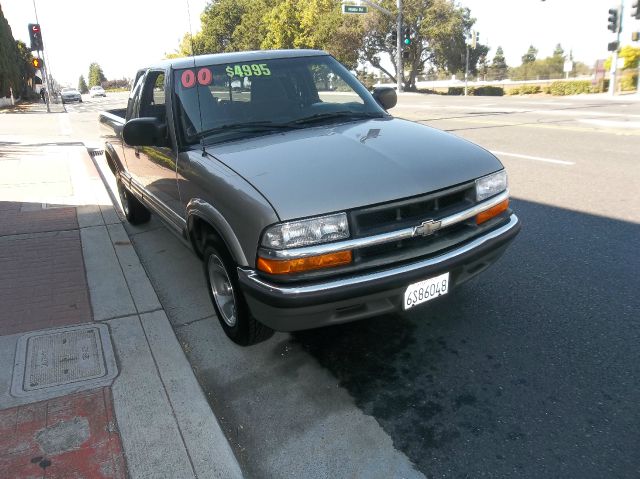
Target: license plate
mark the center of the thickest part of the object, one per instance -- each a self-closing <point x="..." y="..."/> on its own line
<point x="428" y="289"/>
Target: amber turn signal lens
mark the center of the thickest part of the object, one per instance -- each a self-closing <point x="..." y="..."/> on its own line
<point x="493" y="211"/>
<point x="278" y="266"/>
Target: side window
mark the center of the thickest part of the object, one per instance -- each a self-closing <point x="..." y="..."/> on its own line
<point x="152" y="102"/>
<point x="134" y="96"/>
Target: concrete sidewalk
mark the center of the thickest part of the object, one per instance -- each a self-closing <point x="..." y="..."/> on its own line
<point x="93" y="382"/>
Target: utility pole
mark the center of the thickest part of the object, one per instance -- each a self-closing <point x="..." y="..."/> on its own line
<point x="475" y="38"/>
<point x="466" y="70"/>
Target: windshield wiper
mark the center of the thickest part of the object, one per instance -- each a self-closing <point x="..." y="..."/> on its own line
<point x="336" y="115"/>
<point x="250" y="126"/>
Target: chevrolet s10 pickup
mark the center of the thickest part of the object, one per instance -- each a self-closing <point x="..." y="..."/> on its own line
<point x="308" y="203"/>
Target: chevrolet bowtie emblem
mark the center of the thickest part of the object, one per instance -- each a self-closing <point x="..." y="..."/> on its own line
<point x="426" y="228"/>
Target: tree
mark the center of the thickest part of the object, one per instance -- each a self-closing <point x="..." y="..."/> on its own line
<point x="528" y="59"/>
<point x="96" y="77"/>
<point x="438" y="31"/>
<point x="10" y="61"/>
<point x="184" y="48"/>
<point x="499" y="66"/>
<point x="631" y="56"/>
<point x="82" y="85"/>
<point x="530" y="56"/>
<point x="236" y="25"/>
<point x="25" y="67"/>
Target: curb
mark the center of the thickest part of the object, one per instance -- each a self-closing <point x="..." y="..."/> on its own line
<point x="166" y="424"/>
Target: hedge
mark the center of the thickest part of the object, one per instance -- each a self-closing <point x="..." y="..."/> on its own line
<point x="629" y="82"/>
<point x="575" y="87"/>
<point x="477" y="91"/>
<point x="525" y="90"/>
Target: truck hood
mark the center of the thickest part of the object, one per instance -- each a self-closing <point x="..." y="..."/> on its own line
<point x="332" y="168"/>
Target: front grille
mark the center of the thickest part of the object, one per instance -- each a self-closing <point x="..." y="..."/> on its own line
<point x="408" y="213"/>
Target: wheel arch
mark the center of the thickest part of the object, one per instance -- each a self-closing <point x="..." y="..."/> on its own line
<point x="203" y="220"/>
<point x="113" y="160"/>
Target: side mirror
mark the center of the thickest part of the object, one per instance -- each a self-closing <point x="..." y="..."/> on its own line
<point x="145" y="132"/>
<point x="385" y="96"/>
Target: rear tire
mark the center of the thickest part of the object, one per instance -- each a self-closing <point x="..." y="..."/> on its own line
<point x="228" y="300"/>
<point x="135" y="212"/>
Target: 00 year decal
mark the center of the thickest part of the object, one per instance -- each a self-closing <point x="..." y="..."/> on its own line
<point x="188" y="78"/>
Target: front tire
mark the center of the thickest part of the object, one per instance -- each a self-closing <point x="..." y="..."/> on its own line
<point x="135" y="212"/>
<point x="228" y="301"/>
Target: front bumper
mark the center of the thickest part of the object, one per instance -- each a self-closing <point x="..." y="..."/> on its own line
<point x="286" y="307"/>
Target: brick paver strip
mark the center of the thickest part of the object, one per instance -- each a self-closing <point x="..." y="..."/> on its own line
<point x="15" y="220"/>
<point x="42" y="282"/>
<point x="71" y="436"/>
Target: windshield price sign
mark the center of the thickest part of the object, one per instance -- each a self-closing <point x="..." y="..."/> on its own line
<point x="247" y="70"/>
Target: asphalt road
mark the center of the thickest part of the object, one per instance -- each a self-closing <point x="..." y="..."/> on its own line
<point x="530" y="370"/>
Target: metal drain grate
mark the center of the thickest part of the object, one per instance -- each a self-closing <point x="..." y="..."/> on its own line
<point x="73" y="358"/>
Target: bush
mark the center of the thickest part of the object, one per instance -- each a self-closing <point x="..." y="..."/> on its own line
<point x="477" y="91"/>
<point x="629" y="82"/>
<point x="488" y="91"/>
<point x="575" y="87"/>
<point x="529" y="89"/>
<point x="524" y="90"/>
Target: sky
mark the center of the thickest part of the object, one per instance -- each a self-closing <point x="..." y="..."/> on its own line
<point x="123" y="35"/>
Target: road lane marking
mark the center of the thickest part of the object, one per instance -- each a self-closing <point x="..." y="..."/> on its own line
<point x="613" y="124"/>
<point x="548" y="125"/>
<point x="534" y="158"/>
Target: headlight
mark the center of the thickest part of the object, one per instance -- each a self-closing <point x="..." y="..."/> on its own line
<point x="491" y="185"/>
<point x="307" y="232"/>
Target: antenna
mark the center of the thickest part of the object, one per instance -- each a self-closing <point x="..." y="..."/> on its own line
<point x="193" y="55"/>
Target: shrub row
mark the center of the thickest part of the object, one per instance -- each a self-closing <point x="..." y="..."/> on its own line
<point x="524" y="90"/>
<point x="575" y="87"/>
<point x="477" y="91"/>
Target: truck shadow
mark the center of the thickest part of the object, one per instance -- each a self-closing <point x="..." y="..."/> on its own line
<point x="504" y="375"/>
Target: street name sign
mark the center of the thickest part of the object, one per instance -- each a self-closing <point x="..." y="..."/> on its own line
<point x="354" y="9"/>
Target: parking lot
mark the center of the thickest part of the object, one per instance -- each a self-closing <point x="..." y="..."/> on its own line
<point x="529" y="370"/>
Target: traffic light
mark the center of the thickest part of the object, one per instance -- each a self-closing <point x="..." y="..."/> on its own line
<point x="36" y="63"/>
<point x="613" y="20"/>
<point x="613" y="46"/>
<point x="35" y="35"/>
<point x="635" y="10"/>
<point x="406" y="37"/>
<point x="394" y="37"/>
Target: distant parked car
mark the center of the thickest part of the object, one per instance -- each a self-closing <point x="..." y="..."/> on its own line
<point x="97" y="91"/>
<point x="70" y="94"/>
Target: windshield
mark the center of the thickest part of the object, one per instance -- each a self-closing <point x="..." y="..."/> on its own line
<point x="249" y="97"/>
